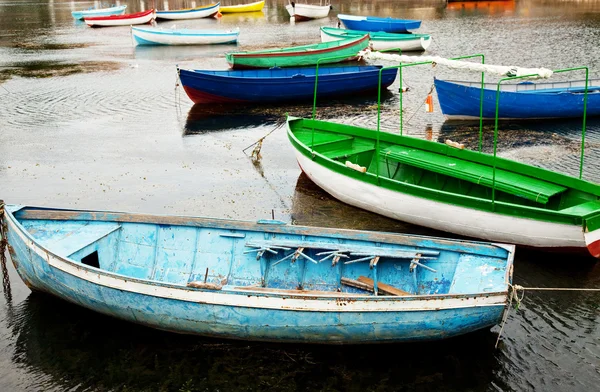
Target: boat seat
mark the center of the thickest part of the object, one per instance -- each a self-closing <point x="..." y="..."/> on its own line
<point x="583" y="208"/>
<point x="356" y="148"/>
<point x="77" y="239"/>
<point x="513" y="183"/>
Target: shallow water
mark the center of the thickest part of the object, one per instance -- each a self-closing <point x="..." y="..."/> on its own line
<point x="87" y="120"/>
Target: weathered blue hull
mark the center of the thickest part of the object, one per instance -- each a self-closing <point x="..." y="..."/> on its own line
<point x="284" y="84"/>
<point x="244" y="309"/>
<point x="460" y="101"/>
<point x="372" y="23"/>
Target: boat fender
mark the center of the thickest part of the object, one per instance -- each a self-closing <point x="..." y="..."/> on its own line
<point x="450" y="143"/>
<point x="356" y="167"/>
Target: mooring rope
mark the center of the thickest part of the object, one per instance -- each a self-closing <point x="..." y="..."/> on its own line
<point x="256" y="152"/>
<point x="500" y="70"/>
<point x="514" y="296"/>
<point x="3" y="247"/>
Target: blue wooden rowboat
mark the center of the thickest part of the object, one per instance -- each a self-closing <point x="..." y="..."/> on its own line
<point x="118" y="10"/>
<point x="261" y="281"/>
<point x="373" y="23"/>
<point x="280" y="84"/>
<point x="461" y="100"/>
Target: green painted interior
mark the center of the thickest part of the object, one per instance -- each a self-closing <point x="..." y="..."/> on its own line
<point x="447" y="174"/>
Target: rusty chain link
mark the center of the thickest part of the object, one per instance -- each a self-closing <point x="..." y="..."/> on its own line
<point x="3" y="247"/>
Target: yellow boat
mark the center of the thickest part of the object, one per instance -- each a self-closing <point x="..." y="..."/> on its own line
<point x="258" y="6"/>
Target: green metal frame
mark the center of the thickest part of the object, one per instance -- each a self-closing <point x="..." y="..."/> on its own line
<point x="583" y="129"/>
<point x="401" y="66"/>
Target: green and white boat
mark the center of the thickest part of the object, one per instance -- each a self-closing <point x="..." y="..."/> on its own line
<point x="297" y="56"/>
<point x="380" y="40"/>
<point x="447" y="188"/>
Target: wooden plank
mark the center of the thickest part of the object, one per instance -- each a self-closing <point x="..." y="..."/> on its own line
<point x="382" y="287"/>
<point x="296" y="292"/>
<point x="357" y="284"/>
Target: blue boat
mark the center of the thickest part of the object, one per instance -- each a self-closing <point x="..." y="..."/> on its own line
<point x="116" y="10"/>
<point x="373" y="23"/>
<point x="462" y="100"/>
<point x="281" y="84"/>
<point x="263" y="281"/>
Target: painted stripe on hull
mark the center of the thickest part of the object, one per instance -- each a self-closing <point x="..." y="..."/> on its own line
<point x="212" y="314"/>
<point x="592" y="240"/>
<point x="442" y="216"/>
<point x="198" y="96"/>
<point x="101" y="22"/>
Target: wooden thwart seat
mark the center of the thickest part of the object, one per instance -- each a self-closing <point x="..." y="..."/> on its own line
<point x="513" y="183"/>
<point x="80" y="238"/>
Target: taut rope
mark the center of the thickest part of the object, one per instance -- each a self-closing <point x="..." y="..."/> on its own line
<point x="514" y="296"/>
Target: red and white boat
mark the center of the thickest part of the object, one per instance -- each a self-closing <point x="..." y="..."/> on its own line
<point x="121" y="20"/>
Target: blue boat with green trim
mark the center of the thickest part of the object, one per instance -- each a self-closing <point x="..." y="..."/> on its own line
<point x="264" y="280"/>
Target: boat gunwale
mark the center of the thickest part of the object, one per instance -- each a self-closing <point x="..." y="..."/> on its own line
<point x="261" y="79"/>
<point x="237" y="7"/>
<point x="467" y="246"/>
<point x="419" y="191"/>
<point x="300" y="52"/>
<point x="82" y="13"/>
<point x="246" y="291"/>
<point x="374" y="35"/>
<point x="492" y="87"/>
<point x="188" y="10"/>
<point x="178" y="33"/>
<point x="119" y="17"/>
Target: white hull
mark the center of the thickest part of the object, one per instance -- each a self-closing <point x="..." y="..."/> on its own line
<point x="122" y="22"/>
<point x="417" y="44"/>
<point x="187" y="15"/>
<point x="308" y="11"/>
<point x="441" y="216"/>
<point x="166" y="37"/>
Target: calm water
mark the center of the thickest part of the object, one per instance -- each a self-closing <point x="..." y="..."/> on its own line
<point x="87" y="120"/>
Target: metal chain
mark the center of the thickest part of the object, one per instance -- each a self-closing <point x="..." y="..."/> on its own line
<point x="3" y="247"/>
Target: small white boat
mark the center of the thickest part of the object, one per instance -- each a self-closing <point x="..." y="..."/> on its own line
<point x="118" y="10"/>
<point x="121" y="20"/>
<point x="307" y="11"/>
<point x="190" y="13"/>
<point x="152" y="36"/>
<point x="380" y="40"/>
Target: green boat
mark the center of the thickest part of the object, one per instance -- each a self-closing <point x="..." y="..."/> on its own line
<point x="447" y="188"/>
<point x="327" y="52"/>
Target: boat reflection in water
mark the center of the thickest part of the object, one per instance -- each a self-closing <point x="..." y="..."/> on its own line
<point x="58" y="343"/>
<point x="203" y="118"/>
<point x="483" y="7"/>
